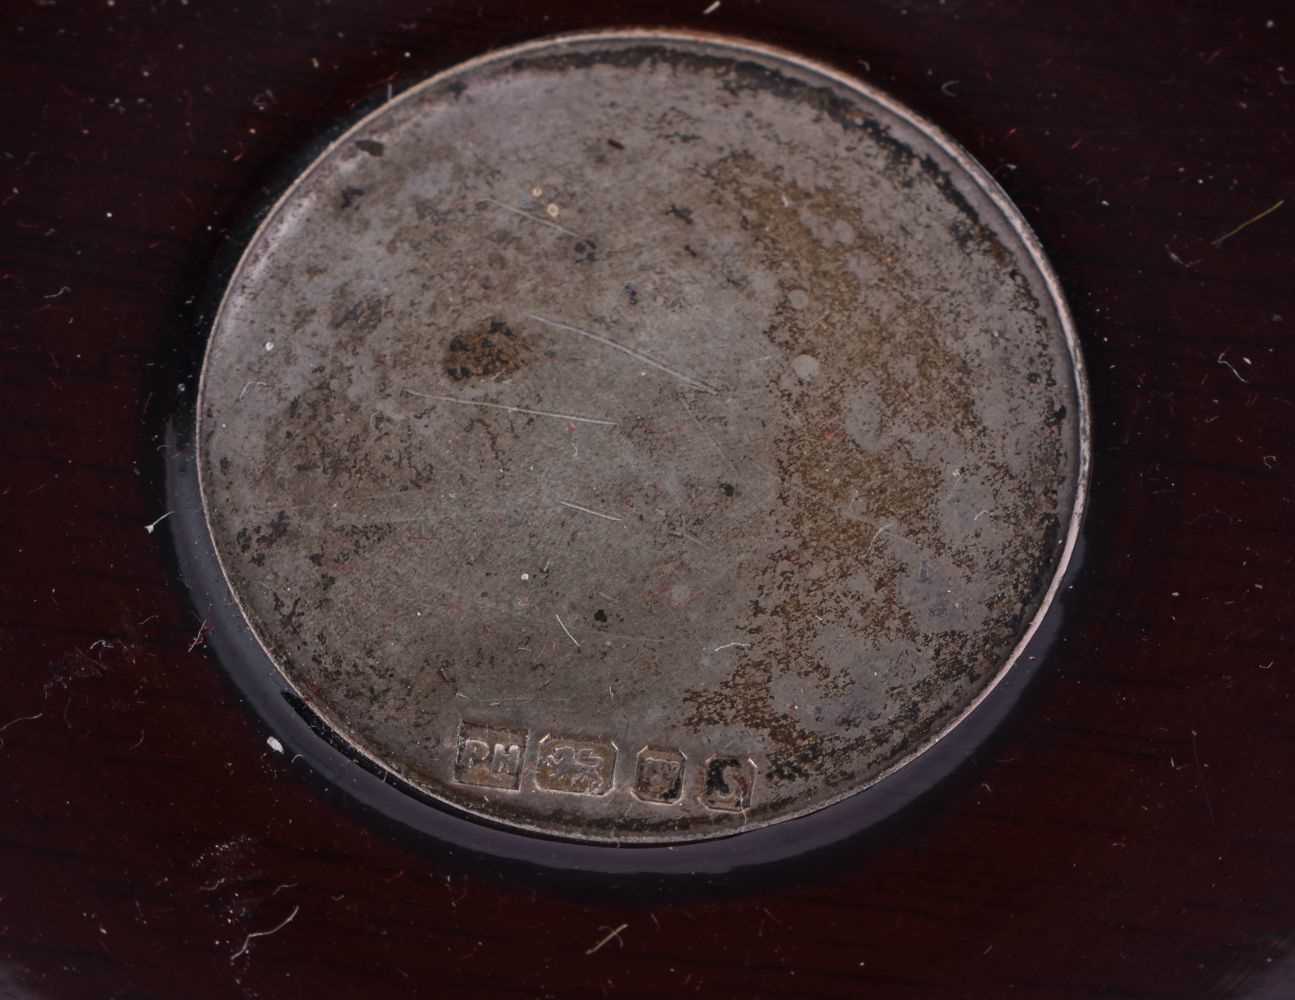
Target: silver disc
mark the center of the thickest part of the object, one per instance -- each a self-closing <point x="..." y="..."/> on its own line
<point x="640" y="437"/>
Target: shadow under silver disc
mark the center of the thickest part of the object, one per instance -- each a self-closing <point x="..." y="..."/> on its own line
<point x="642" y="437"/>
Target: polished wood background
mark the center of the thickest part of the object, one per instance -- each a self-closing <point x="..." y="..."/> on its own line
<point x="1128" y="834"/>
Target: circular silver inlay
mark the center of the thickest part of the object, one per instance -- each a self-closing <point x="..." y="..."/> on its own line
<point x="641" y="437"/>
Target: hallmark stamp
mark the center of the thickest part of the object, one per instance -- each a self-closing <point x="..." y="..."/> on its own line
<point x="727" y="783"/>
<point x="575" y="766"/>
<point x="658" y="777"/>
<point x="490" y="756"/>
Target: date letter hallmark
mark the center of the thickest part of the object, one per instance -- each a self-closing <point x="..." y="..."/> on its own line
<point x="490" y="756"/>
<point x="659" y="776"/>
<point x="727" y="783"/>
<point x="575" y="766"/>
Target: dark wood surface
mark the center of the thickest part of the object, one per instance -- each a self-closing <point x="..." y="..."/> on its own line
<point x="1129" y="832"/>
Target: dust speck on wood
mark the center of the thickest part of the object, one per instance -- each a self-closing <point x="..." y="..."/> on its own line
<point x="613" y="935"/>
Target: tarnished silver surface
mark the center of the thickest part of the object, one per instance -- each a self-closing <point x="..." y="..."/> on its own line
<point x="640" y="437"/>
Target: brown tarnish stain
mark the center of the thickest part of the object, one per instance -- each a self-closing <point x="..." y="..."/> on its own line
<point x="835" y="494"/>
<point x="491" y="350"/>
